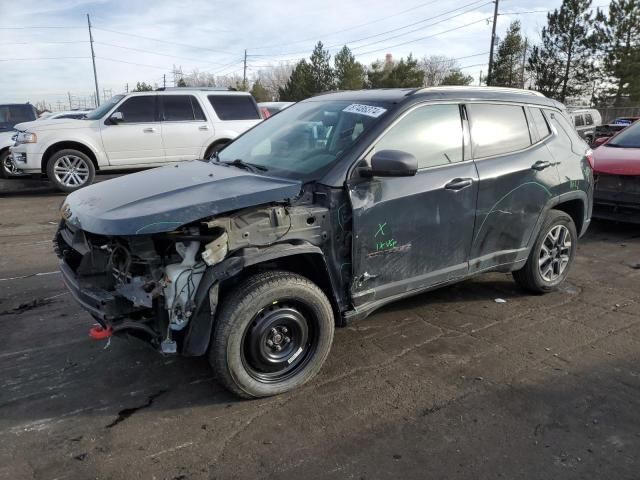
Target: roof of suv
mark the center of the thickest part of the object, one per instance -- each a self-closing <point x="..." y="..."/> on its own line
<point x="398" y="95"/>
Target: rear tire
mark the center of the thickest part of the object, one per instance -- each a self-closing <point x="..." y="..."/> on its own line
<point x="70" y="170"/>
<point x="272" y="334"/>
<point x="551" y="256"/>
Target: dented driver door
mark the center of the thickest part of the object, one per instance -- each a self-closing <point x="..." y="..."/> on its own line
<point x="410" y="233"/>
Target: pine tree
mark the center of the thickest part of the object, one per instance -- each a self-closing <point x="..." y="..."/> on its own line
<point x="142" y="87"/>
<point x="403" y="74"/>
<point x="260" y="93"/>
<point x="562" y="66"/>
<point x="456" y="77"/>
<point x="321" y="72"/>
<point x="507" y="67"/>
<point x="619" y="33"/>
<point x="181" y="83"/>
<point x="300" y="84"/>
<point x="349" y="73"/>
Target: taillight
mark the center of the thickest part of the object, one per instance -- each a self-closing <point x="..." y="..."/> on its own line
<point x="589" y="155"/>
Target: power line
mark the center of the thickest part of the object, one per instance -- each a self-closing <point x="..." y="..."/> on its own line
<point x="133" y="63"/>
<point x="41" y="58"/>
<point x="162" y="41"/>
<point x="355" y="27"/>
<point x="393" y="30"/>
<point x="423" y="38"/>
<point x="418" y="29"/>
<point x="152" y="53"/>
<point x="27" y="28"/>
<point x="46" y="43"/>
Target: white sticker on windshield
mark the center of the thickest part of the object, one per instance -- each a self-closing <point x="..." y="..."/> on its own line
<point x="368" y="110"/>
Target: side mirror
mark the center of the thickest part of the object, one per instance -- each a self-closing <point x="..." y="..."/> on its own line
<point x="392" y="163"/>
<point x="116" y="117"/>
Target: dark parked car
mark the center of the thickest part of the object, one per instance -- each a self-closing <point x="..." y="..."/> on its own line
<point x="605" y="132"/>
<point x="253" y="258"/>
<point x="617" y="177"/>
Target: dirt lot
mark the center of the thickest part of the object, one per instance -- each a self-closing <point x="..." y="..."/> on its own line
<point x="448" y="384"/>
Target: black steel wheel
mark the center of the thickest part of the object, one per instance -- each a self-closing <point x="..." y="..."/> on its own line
<point x="272" y="334"/>
<point x="279" y="342"/>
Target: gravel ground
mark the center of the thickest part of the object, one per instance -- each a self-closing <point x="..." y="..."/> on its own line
<point x="448" y="384"/>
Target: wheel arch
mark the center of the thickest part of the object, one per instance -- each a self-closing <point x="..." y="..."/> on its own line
<point x="220" y="141"/>
<point x="67" y="144"/>
<point x="302" y="258"/>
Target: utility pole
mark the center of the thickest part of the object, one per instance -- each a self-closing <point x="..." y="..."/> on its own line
<point x="480" y="79"/>
<point x="244" y="75"/>
<point x="126" y="87"/>
<point x="69" y="95"/>
<point x="164" y="80"/>
<point x="524" y="59"/>
<point x="93" y="59"/>
<point x="493" y="41"/>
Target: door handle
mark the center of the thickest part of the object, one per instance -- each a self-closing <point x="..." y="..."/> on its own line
<point x="541" y="165"/>
<point x="149" y="130"/>
<point x="203" y="127"/>
<point x="459" y="183"/>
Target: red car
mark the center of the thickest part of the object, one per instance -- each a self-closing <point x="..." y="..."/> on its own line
<point x="616" y="167"/>
<point x="605" y="132"/>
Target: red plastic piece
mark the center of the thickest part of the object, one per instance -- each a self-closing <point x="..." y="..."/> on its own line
<point x="99" y="333"/>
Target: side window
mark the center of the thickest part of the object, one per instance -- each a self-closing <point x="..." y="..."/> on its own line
<point x="176" y="108"/>
<point x="540" y="123"/>
<point x="197" y="109"/>
<point x="433" y="134"/>
<point x="497" y="129"/>
<point x="578" y="120"/>
<point x="588" y="119"/>
<point x="139" y="109"/>
<point x="234" y="107"/>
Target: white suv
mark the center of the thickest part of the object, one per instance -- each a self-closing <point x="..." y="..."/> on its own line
<point x="132" y="131"/>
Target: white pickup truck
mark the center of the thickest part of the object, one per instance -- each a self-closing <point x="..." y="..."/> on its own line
<point x="133" y="131"/>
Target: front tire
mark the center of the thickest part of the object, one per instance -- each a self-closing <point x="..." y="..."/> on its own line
<point x="69" y="170"/>
<point x="551" y="256"/>
<point x="5" y="168"/>
<point x="272" y="334"/>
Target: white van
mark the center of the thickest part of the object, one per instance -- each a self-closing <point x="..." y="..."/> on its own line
<point x="586" y="120"/>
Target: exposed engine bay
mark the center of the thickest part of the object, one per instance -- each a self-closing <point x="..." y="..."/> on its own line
<point x="150" y="285"/>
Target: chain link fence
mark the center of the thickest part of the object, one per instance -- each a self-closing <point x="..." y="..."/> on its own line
<point x="611" y="113"/>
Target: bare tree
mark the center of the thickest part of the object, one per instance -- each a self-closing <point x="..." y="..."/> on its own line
<point x="198" y="78"/>
<point x="274" y="77"/>
<point x="436" y="68"/>
<point x="229" y="81"/>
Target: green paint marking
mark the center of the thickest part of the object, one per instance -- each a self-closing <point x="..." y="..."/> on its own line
<point x="380" y="229"/>
<point x="386" y="245"/>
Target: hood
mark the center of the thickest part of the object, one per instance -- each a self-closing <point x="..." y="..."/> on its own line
<point x="5" y="138"/>
<point x="40" y="125"/>
<point x="616" y="161"/>
<point x="163" y="199"/>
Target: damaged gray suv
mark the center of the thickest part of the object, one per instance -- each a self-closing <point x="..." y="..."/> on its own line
<point x="320" y="215"/>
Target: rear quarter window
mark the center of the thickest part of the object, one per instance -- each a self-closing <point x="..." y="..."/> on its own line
<point x="497" y="129"/>
<point x="234" y="107"/>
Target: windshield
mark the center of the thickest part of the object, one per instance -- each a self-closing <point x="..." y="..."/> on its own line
<point x="104" y="108"/>
<point x="10" y="115"/>
<point x="304" y="140"/>
<point x="628" y="138"/>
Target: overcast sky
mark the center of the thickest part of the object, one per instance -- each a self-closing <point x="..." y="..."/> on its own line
<point x="141" y="40"/>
